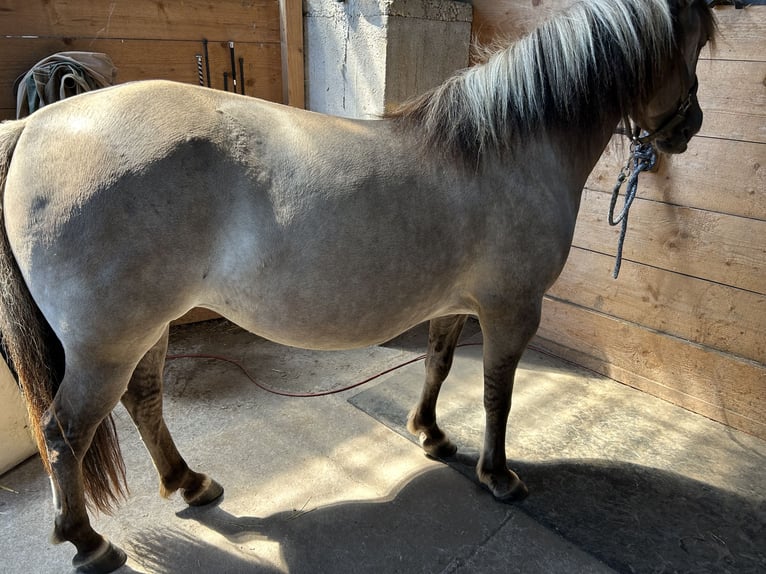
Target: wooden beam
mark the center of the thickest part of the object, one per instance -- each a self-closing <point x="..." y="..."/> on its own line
<point x="291" y="24"/>
<point x="509" y="19"/>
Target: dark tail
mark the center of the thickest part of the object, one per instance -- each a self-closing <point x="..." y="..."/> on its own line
<point x="36" y="356"/>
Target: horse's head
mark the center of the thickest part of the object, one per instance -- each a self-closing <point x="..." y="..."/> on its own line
<point x="672" y="114"/>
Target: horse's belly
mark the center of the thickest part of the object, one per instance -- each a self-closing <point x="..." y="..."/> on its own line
<point x="317" y="320"/>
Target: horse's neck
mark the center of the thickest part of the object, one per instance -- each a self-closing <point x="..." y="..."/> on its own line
<point x="566" y="157"/>
<point x="583" y="150"/>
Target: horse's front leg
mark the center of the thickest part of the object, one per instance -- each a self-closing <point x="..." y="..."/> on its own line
<point x="443" y="334"/>
<point x="505" y="339"/>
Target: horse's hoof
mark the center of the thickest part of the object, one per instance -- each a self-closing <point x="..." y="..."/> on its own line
<point x="506" y="488"/>
<point x="207" y="493"/>
<point x="106" y="558"/>
<point x="438" y="448"/>
<point x="434" y="442"/>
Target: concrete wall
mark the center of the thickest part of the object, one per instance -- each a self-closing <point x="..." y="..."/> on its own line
<point x="365" y="56"/>
<point x="16" y="442"/>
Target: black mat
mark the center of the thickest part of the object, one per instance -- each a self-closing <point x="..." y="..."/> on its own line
<point x="617" y="473"/>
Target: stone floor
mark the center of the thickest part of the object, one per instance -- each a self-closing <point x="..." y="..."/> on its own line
<point x="619" y="481"/>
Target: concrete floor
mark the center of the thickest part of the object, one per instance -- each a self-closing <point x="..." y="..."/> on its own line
<point x="619" y="481"/>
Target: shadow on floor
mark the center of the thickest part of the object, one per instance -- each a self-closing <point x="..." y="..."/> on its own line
<point x="640" y="519"/>
<point x="632" y="518"/>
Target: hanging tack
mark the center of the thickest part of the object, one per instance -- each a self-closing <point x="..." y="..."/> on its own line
<point x="200" y="74"/>
<point x="233" y="67"/>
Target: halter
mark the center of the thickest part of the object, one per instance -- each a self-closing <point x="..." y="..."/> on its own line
<point x="643" y="157"/>
<point x="673" y="122"/>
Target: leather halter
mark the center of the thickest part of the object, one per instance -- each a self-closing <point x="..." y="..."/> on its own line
<point x="673" y="122"/>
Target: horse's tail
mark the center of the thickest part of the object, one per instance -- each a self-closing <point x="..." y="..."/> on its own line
<point x="36" y="356"/>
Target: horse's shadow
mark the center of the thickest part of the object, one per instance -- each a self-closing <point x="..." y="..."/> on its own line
<point x="631" y="518"/>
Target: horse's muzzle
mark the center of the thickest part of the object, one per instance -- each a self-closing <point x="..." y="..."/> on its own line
<point x="677" y="140"/>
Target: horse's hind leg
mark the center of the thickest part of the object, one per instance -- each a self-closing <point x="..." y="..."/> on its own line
<point x="443" y="334"/>
<point x="86" y="396"/>
<point x="143" y="400"/>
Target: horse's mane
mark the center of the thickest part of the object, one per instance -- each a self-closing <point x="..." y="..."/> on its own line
<point x="598" y="57"/>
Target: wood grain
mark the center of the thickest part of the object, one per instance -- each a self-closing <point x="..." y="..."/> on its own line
<point x="740" y="34"/>
<point x="712" y="315"/>
<point x="293" y="92"/>
<point x="250" y="21"/>
<point x="717" y="247"/>
<point x="509" y="20"/>
<point x="148" y="59"/>
<point x="733" y="98"/>
<point x="724" y="176"/>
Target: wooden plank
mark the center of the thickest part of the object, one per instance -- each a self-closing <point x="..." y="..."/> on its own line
<point x="722" y="387"/>
<point x="722" y="248"/>
<point x="713" y="315"/>
<point x="149" y="59"/>
<point x="510" y="19"/>
<point x="740" y="34"/>
<point x="724" y="176"/>
<point x="294" y="90"/>
<point x="251" y="21"/>
<point x="733" y="99"/>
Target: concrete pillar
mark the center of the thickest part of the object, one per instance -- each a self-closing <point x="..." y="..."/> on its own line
<point x="364" y="57"/>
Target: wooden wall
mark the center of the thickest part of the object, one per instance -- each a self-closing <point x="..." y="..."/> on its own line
<point x="686" y="320"/>
<point x="147" y="39"/>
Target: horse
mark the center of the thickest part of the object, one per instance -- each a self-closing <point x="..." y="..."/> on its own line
<point x="126" y="207"/>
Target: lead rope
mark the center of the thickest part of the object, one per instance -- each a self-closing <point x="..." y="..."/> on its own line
<point x="642" y="158"/>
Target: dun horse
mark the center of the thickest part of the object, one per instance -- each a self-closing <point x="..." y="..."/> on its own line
<point x="124" y="208"/>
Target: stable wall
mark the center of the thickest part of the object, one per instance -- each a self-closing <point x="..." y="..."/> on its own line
<point x="147" y="39"/>
<point x="686" y="320"/>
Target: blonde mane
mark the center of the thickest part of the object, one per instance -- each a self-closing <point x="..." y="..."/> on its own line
<point x="598" y="57"/>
